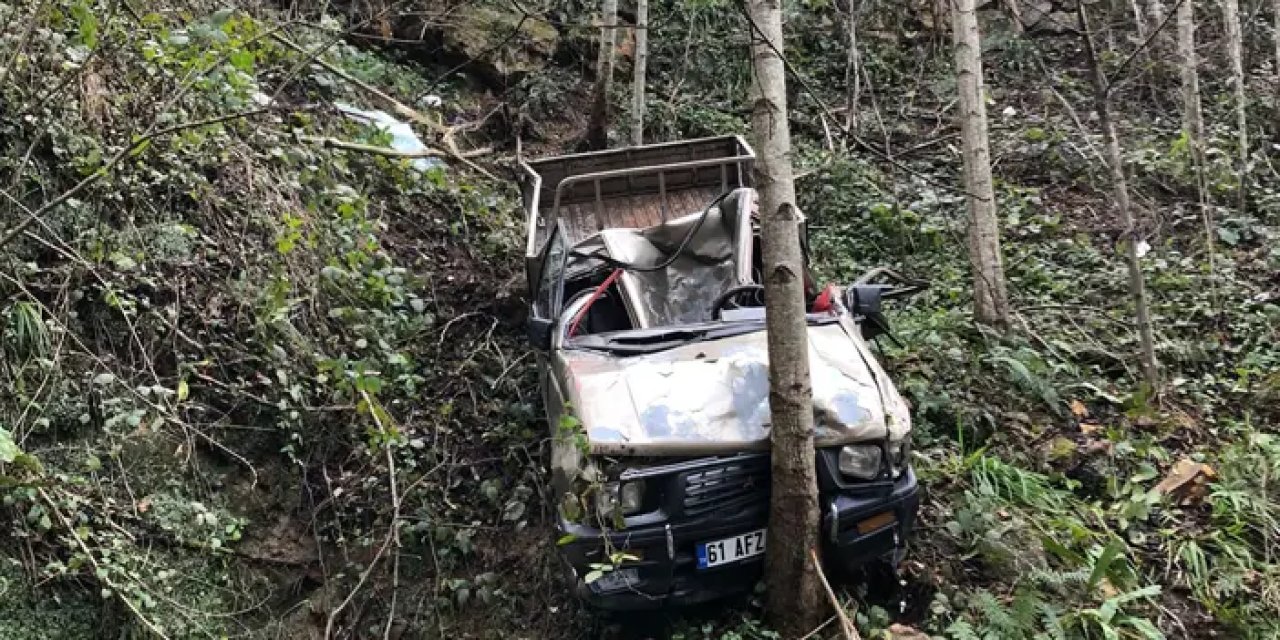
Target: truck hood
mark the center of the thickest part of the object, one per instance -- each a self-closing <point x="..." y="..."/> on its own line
<point x="712" y="396"/>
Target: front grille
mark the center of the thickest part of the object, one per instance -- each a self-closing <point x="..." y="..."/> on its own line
<point x="734" y="482"/>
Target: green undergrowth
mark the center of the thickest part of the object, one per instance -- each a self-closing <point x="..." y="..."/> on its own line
<point x="1039" y="448"/>
<point x="240" y="362"/>
<point x="250" y="379"/>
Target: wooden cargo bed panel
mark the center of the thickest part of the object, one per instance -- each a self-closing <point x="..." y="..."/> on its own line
<point x="637" y="211"/>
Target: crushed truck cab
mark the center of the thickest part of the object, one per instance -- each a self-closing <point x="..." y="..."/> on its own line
<point x="647" y="318"/>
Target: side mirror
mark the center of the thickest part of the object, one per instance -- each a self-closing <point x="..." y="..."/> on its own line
<point x="864" y="300"/>
<point x="539" y="332"/>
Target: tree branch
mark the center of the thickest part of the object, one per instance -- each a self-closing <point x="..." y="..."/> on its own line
<point x="1119" y="74"/>
<point x="335" y="143"/>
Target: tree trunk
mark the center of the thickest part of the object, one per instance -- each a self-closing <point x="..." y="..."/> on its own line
<point x="1231" y="29"/>
<point x="795" y="596"/>
<point x="1192" y="118"/>
<point x="1128" y="234"/>
<point x="852" y="76"/>
<point x="1275" y="31"/>
<point x="991" y="298"/>
<point x="1139" y="19"/>
<point x="1193" y="126"/>
<point x="641" y="67"/>
<point x="598" y="126"/>
<point x="1157" y="11"/>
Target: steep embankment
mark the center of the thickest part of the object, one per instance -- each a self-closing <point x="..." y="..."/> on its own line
<point x="259" y="372"/>
<point x="262" y="377"/>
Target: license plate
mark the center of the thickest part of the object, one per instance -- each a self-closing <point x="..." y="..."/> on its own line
<point x="729" y="550"/>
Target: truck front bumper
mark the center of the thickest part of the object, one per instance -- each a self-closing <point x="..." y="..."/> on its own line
<point x="856" y="528"/>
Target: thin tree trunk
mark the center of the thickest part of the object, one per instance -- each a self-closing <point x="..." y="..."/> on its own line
<point x="641" y="68"/>
<point x="795" y="594"/>
<point x="1275" y="31"/>
<point x="598" y="126"/>
<point x="1231" y="28"/>
<point x="991" y="298"/>
<point x="1137" y="284"/>
<point x="1139" y="19"/>
<point x="1193" y="127"/>
<point x="1192" y="117"/>
<point x="1156" y="9"/>
<point x="852" y="77"/>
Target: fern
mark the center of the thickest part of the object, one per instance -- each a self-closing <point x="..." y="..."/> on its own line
<point x="962" y="630"/>
<point x="1023" y="368"/>
<point x="1060" y="581"/>
<point x="1051" y="623"/>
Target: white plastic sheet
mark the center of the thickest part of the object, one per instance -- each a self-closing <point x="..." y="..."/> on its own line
<point x="402" y="136"/>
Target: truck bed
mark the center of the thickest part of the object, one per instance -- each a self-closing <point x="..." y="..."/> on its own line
<point x="631" y="187"/>
<point x="583" y="219"/>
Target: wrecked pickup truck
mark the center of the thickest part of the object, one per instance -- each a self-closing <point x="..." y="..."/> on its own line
<point x="647" y="318"/>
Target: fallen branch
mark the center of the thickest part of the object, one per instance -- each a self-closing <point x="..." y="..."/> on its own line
<point x="446" y="133"/>
<point x="846" y="625"/>
<point x="335" y="143"/>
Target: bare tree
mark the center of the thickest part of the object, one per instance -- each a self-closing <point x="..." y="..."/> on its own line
<point x="852" y="78"/>
<point x="641" y="67"/>
<point x="991" y="298"/>
<point x="1193" y="122"/>
<point x="795" y="594"/>
<point x="1156" y="9"/>
<point x="1128" y="233"/>
<point x="1192" y="117"/>
<point x="1139" y="19"/>
<point x="1275" y="28"/>
<point x="1231" y="31"/>
<point x="598" y="126"/>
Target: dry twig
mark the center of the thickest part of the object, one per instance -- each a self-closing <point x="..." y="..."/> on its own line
<point x="846" y="625"/>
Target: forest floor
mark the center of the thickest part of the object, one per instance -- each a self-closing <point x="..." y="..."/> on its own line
<point x="261" y="385"/>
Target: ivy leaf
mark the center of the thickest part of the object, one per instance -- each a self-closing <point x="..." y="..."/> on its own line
<point x="9" y="450"/>
<point x="242" y="60"/>
<point x="220" y="17"/>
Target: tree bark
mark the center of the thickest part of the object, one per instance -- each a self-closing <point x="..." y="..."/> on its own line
<point x="641" y="68"/>
<point x="852" y="77"/>
<point x="1192" y="116"/>
<point x="795" y="594"/>
<point x="1139" y="19"/>
<point x="1128" y="234"/>
<point x="1275" y="30"/>
<point x="1231" y="29"/>
<point x="598" y="126"/>
<point x="1193" y="127"/>
<point x="1156" y="9"/>
<point x="991" y="298"/>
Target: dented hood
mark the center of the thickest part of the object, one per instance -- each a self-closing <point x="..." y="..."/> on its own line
<point x="712" y="396"/>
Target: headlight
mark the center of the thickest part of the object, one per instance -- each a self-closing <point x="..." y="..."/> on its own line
<point x="901" y="456"/>
<point x="861" y="461"/>
<point x="627" y="498"/>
